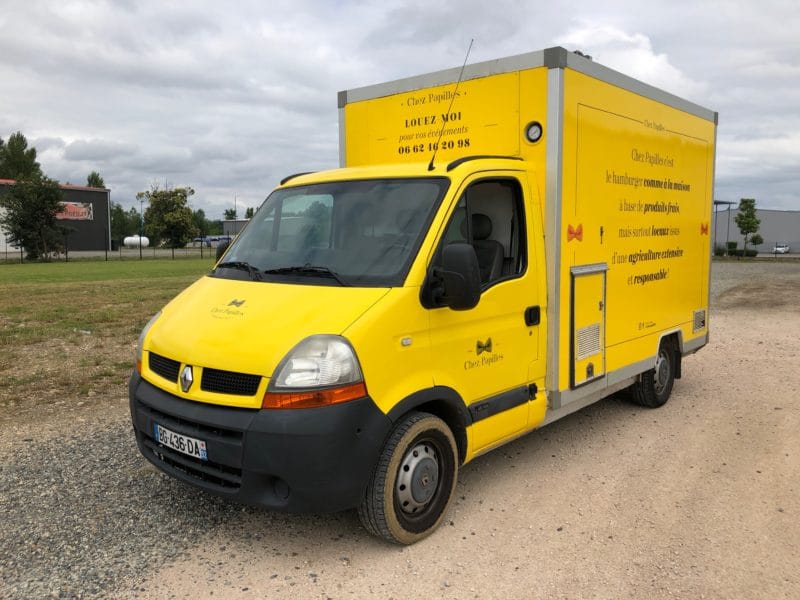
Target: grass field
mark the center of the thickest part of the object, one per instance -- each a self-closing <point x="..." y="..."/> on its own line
<point x="68" y="330"/>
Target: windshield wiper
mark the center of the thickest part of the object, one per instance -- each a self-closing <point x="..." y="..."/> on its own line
<point x="308" y="270"/>
<point x="242" y="266"/>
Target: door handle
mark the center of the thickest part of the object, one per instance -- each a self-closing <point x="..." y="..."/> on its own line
<point x="533" y="315"/>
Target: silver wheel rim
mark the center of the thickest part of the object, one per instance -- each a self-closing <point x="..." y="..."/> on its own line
<point x="662" y="373"/>
<point x="418" y="478"/>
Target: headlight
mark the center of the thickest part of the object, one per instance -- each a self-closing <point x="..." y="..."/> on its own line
<point x="319" y="371"/>
<point x="140" y="343"/>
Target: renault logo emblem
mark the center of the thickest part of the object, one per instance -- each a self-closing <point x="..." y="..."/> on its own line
<point x="186" y="378"/>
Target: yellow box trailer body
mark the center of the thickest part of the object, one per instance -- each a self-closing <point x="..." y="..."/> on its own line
<point x="625" y="173"/>
<point x="502" y="245"/>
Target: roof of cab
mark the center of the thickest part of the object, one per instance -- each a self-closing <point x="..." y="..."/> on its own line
<point x="398" y="171"/>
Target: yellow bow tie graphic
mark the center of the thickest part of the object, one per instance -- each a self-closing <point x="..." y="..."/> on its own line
<point x="482" y="347"/>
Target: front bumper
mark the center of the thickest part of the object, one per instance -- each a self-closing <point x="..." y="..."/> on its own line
<point x="297" y="460"/>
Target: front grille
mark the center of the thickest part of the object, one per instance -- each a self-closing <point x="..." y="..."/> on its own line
<point x="226" y="477"/>
<point x="165" y="367"/>
<point x="228" y="382"/>
<point x="215" y="474"/>
<point x="213" y="380"/>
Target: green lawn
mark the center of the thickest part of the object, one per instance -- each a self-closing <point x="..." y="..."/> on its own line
<point x="68" y="330"/>
<point x="98" y="270"/>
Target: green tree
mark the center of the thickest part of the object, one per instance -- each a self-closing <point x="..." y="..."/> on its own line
<point x="168" y="218"/>
<point x="30" y="216"/>
<point x="202" y="224"/>
<point x="124" y="223"/>
<point x="746" y="219"/>
<point x="94" y="180"/>
<point x="118" y="222"/>
<point x="230" y="214"/>
<point x="135" y="221"/>
<point x="248" y="214"/>
<point x="215" y="227"/>
<point x="17" y="161"/>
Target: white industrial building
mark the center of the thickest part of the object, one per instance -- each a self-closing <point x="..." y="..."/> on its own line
<point x="777" y="226"/>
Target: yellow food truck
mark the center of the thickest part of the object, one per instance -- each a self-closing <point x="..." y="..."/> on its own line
<point x="503" y="245"/>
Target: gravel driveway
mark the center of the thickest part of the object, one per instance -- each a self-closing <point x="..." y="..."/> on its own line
<point x="698" y="499"/>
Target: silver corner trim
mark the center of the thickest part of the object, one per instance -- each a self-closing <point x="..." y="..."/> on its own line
<point x="591" y="269"/>
<point x="552" y="226"/>
<point x="555" y="58"/>
<point x="695" y="344"/>
<point x="509" y="64"/>
<point x="589" y="67"/>
<point x="342" y="144"/>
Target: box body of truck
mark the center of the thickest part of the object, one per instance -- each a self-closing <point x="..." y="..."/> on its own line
<point x="502" y="246"/>
<point x="624" y="174"/>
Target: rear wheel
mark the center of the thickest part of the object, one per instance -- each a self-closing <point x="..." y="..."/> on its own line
<point x="655" y="386"/>
<point x="410" y="490"/>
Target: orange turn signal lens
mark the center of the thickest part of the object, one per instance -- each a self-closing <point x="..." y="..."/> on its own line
<point x="314" y="399"/>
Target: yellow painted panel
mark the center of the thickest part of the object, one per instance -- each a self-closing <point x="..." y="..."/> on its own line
<point x="486" y="116"/>
<point x="637" y="194"/>
<point x="247" y="327"/>
<point x="588" y="339"/>
<point x="499" y="428"/>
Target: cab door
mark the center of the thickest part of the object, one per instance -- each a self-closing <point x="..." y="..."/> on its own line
<point x="489" y="354"/>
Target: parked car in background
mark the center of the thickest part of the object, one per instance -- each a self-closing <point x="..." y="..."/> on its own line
<point x="781" y="248"/>
<point x="205" y="241"/>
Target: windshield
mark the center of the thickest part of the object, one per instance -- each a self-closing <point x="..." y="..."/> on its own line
<point x="362" y="233"/>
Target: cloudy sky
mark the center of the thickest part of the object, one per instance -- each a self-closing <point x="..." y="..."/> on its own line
<point x="228" y="98"/>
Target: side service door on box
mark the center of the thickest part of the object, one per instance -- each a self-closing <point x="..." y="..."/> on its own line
<point x="488" y="353"/>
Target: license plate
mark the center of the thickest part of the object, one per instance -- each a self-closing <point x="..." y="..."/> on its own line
<point x="182" y="443"/>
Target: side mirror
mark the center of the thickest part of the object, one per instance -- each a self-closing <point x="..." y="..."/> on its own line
<point x="221" y="248"/>
<point x="457" y="282"/>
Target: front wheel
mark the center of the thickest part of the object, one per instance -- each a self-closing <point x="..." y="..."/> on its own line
<point x="413" y="483"/>
<point x="655" y="386"/>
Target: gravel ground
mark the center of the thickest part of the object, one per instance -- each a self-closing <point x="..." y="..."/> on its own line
<point x="82" y="509"/>
<point x="698" y="499"/>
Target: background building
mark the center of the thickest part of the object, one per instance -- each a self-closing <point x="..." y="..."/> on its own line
<point x="233" y="227"/>
<point x="776" y="226"/>
<point x="85" y="214"/>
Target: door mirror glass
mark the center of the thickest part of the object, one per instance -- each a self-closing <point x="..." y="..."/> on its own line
<point x="460" y="277"/>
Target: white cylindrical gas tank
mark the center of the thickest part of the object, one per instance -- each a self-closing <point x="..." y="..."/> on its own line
<point x="132" y="241"/>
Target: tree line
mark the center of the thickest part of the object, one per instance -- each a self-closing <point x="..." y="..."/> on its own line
<point x="29" y="208"/>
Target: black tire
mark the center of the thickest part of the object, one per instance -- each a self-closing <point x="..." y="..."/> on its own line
<point x="655" y="386"/>
<point x="413" y="483"/>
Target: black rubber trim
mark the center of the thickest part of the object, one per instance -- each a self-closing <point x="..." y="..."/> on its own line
<point x="445" y="395"/>
<point x="459" y="161"/>
<point x="500" y="403"/>
<point x="288" y="178"/>
<point x="445" y="403"/>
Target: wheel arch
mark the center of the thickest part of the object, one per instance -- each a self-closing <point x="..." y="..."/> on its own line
<point x="674" y="339"/>
<point x="443" y="402"/>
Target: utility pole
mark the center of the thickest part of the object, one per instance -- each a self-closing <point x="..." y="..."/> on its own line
<point x="141" y="225"/>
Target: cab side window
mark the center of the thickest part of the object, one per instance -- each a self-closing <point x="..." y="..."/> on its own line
<point x="490" y="216"/>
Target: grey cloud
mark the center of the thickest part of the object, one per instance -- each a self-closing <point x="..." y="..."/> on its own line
<point x="229" y="98"/>
<point x="97" y="150"/>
